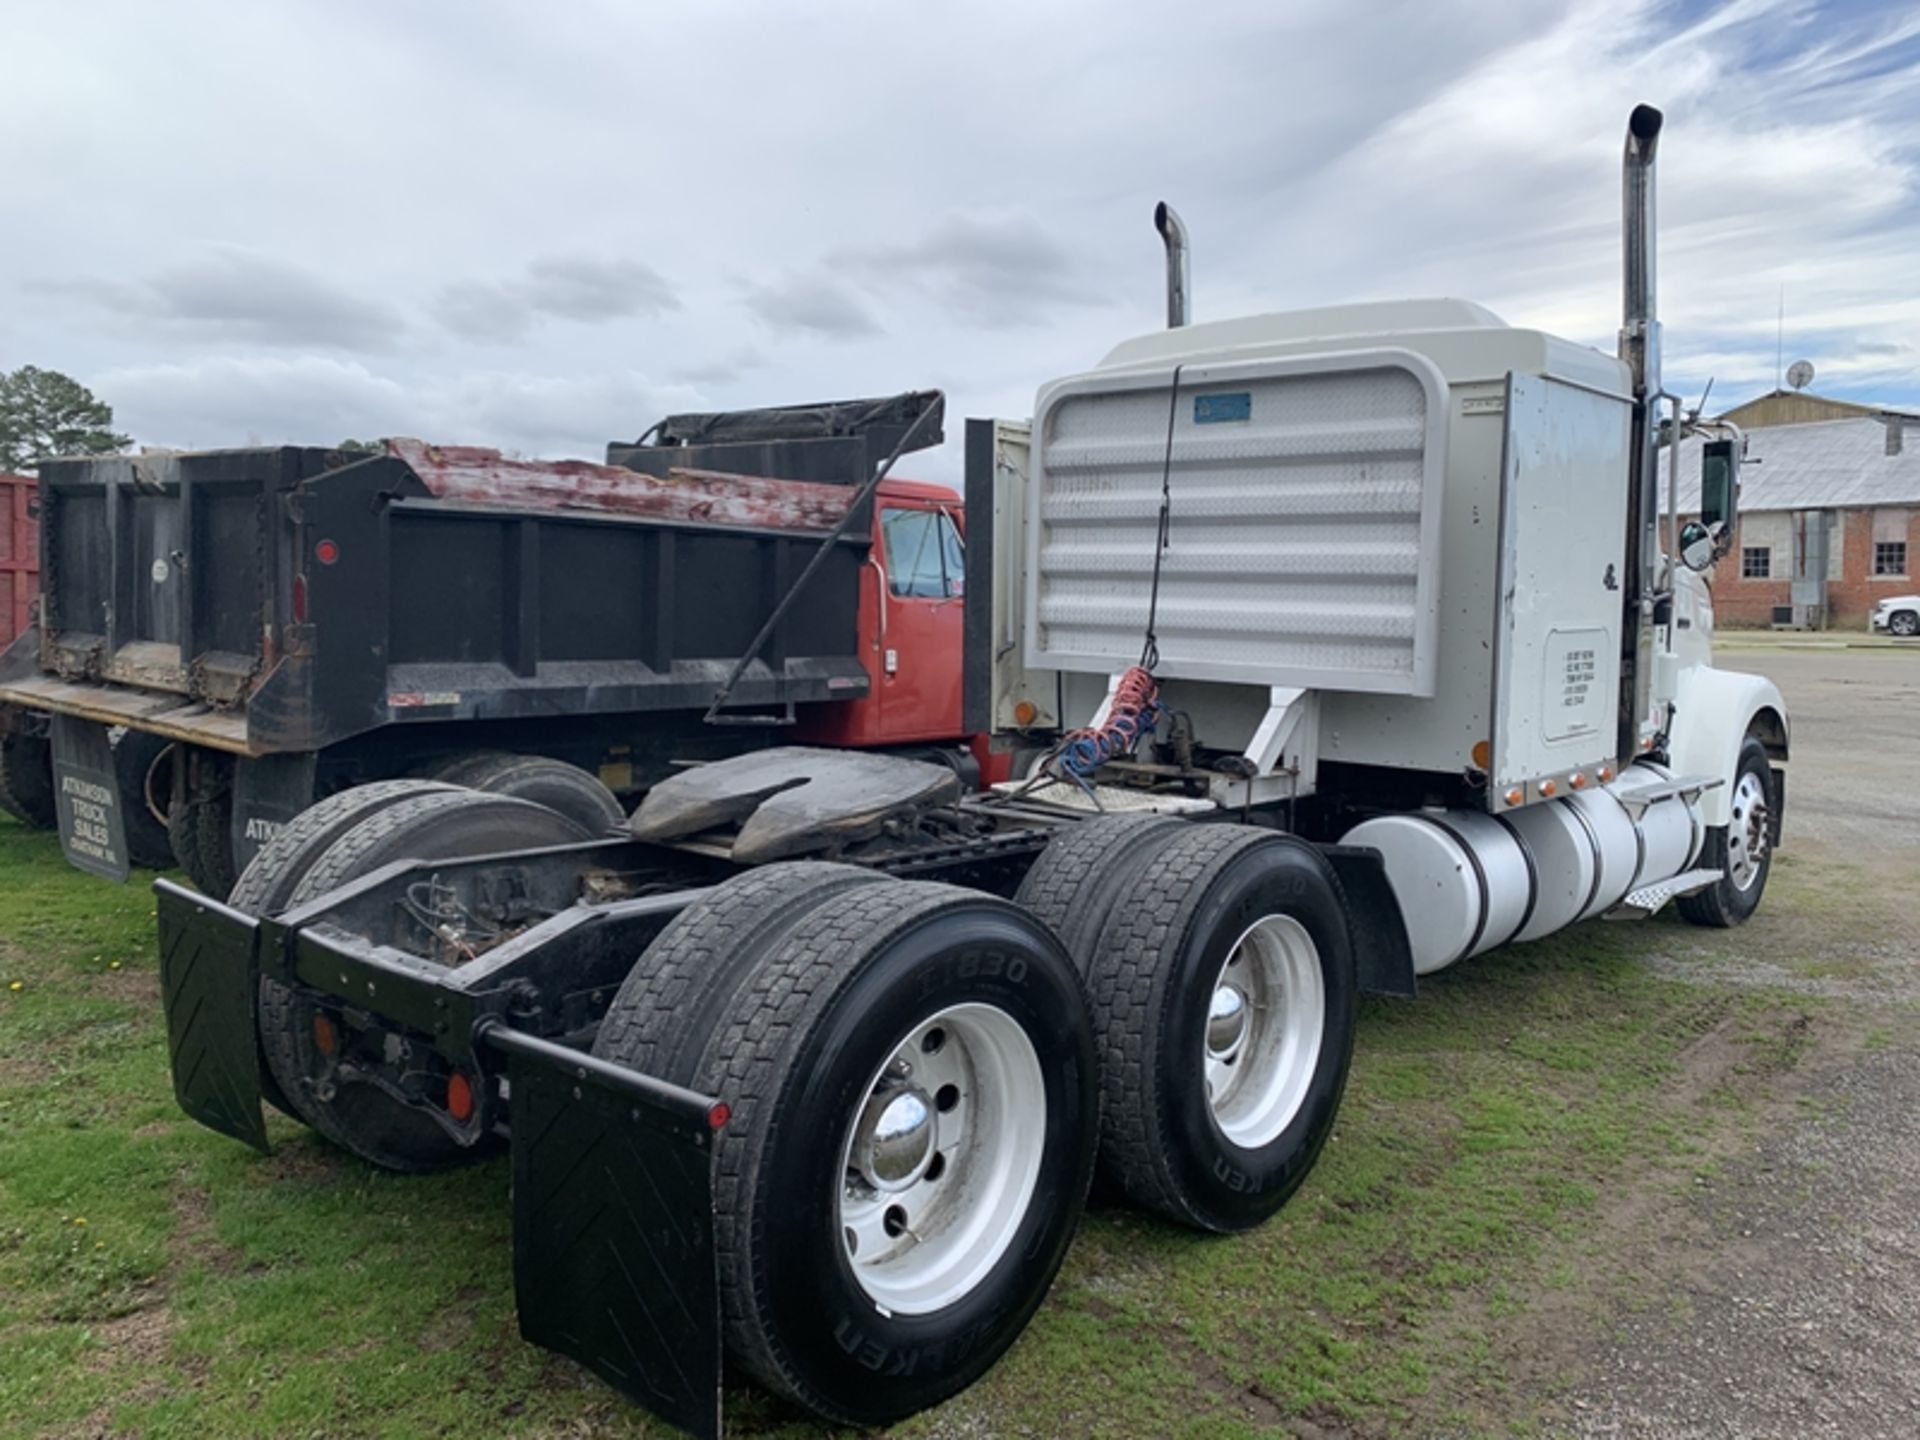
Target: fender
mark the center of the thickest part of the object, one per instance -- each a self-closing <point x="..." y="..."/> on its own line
<point x="1713" y="713"/>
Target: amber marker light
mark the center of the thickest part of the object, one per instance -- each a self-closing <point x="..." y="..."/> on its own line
<point x="326" y="1039"/>
<point x="1547" y="787"/>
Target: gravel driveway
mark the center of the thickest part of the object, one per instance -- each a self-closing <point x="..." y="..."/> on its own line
<point x="1781" y="1295"/>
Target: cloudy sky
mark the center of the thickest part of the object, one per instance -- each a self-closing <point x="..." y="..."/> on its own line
<point x="541" y="227"/>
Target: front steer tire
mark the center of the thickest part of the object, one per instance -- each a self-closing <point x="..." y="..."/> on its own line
<point x="1727" y="903"/>
<point x="795" y="1056"/>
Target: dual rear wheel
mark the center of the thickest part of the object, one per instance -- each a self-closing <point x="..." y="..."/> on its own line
<point x="913" y="1088"/>
<point x="1220" y="971"/>
<point x="921" y="1078"/>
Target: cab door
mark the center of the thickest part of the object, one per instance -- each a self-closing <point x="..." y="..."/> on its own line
<point x="921" y="587"/>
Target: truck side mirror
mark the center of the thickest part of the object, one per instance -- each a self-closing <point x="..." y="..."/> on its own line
<point x="1698" y="549"/>
<point x="1719" y="484"/>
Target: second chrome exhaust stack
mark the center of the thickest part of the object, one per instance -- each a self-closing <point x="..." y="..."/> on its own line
<point x="1640" y="312"/>
<point x="1173" y="233"/>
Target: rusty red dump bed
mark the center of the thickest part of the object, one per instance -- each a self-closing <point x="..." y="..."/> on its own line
<point x="281" y="600"/>
<point x="473" y="475"/>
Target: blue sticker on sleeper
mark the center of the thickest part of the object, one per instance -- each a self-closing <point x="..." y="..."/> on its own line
<point x="1221" y="409"/>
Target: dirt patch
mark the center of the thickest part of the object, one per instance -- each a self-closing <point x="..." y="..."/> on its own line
<point x="131" y="987"/>
<point x="17" y="1070"/>
<point x="453" y="1327"/>
<point x="96" y="1426"/>
<point x="1253" y="1400"/>
<point x="193" y="1237"/>
<point x="140" y="1337"/>
<point x="304" y="1160"/>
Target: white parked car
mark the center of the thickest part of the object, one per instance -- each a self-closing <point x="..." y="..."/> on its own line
<point x="1897" y="615"/>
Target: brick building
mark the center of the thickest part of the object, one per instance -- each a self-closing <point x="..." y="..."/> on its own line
<point x="1855" y="474"/>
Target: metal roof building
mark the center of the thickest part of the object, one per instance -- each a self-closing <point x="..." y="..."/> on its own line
<point x="1826" y="465"/>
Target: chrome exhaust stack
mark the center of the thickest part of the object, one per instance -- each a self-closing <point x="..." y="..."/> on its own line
<point x="1173" y="234"/>
<point x="1640" y="319"/>
<point x="1640" y="349"/>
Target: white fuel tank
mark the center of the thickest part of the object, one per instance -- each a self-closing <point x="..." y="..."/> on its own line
<point x="1468" y="881"/>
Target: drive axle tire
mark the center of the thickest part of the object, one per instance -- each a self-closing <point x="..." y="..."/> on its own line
<point x="1742" y="849"/>
<point x="200" y="819"/>
<point x="913" y="1095"/>
<point x="26" y="779"/>
<point x="1085" y="870"/>
<point x="1223" y="993"/>
<point x="552" y="783"/>
<point x="683" y="982"/>
<point x="355" y="1114"/>
<point x="276" y="870"/>
<point x="269" y="880"/>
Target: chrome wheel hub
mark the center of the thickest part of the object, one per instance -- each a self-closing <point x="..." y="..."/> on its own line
<point x="1747" y="832"/>
<point x="1226" y="1024"/>
<point x="940" y="1161"/>
<point x="895" y="1141"/>
<point x="1264" y="1026"/>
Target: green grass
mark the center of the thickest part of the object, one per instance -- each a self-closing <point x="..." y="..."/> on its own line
<point x="157" y="1278"/>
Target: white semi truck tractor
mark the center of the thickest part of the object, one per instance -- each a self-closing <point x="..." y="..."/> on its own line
<point x="1337" y="647"/>
<point x="1404" y="573"/>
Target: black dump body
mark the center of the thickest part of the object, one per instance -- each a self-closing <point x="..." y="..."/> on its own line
<point x="281" y="600"/>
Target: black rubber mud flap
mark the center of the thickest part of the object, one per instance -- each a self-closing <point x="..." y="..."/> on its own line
<point x="208" y="975"/>
<point x="613" y="1250"/>
<point x="1382" y="953"/>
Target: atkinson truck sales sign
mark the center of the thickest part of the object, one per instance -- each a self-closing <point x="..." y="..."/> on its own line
<point x="92" y="830"/>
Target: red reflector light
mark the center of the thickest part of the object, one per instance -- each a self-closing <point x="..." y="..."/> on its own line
<point x="300" y="599"/>
<point x="326" y="552"/>
<point x="326" y="1039"/>
<point x="718" y="1115"/>
<point x="460" y="1096"/>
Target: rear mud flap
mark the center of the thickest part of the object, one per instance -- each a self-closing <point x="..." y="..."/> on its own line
<point x="613" y="1250"/>
<point x="208" y="977"/>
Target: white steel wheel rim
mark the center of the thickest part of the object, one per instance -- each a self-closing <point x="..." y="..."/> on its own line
<point x="940" y="1159"/>
<point x="1263" y="1028"/>
<point x="1747" y="832"/>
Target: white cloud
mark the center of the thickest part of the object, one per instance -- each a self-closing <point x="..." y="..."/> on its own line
<point x="232" y="293"/>
<point x="516" y="187"/>
<point x="318" y="400"/>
